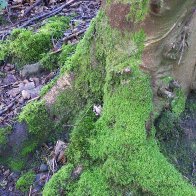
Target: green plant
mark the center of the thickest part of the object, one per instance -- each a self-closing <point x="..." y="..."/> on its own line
<point x="25" y="181"/>
<point x="4" y="132"/>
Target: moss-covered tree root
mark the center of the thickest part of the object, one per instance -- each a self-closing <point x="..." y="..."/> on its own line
<point x="117" y="154"/>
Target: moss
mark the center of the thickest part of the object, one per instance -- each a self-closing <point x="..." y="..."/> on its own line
<point x="36" y="117"/>
<point x="4" y="132"/>
<point x="178" y="104"/>
<point x="26" y="47"/>
<point x="39" y="125"/>
<point x="25" y="181"/>
<point x="51" y="61"/>
<point x="16" y="164"/>
<point x="59" y="182"/>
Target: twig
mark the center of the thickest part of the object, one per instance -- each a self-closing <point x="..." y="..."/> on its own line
<point x="30" y="190"/>
<point x="46" y="15"/>
<point x="6" y="109"/>
<point x="32" y="7"/>
<point x="74" y="35"/>
<point x="183" y="45"/>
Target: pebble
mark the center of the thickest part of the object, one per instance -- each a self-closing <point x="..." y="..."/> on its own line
<point x="26" y="94"/>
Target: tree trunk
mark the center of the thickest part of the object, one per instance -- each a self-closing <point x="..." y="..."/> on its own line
<point x="130" y="73"/>
<point x="126" y="63"/>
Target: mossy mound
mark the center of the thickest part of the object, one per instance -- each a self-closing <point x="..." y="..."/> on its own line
<point x="25" y="181"/>
<point x="27" y="47"/>
<point x="39" y="125"/>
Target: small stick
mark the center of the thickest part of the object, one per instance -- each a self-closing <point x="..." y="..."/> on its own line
<point x="27" y="12"/>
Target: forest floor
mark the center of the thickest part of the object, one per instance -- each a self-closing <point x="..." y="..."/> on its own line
<point x="17" y="89"/>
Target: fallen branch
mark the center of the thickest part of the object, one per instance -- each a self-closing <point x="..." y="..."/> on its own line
<point x="74" y="35"/>
<point x="46" y="15"/>
<point x="6" y="109"/>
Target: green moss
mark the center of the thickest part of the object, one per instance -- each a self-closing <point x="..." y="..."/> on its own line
<point x="52" y="61"/>
<point x="16" y="164"/>
<point x="59" y="182"/>
<point x="25" y="181"/>
<point x="36" y="117"/>
<point x="178" y="104"/>
<point x="49" y="61"/>
<point x="4" y="132"/>
<point x="26" y="47"/>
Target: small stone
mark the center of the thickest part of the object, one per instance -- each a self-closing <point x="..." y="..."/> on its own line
<point x="32" y="69"/>
<point x="43" y="168"/>
<point x="35" y="92"/>
<point x="26" y="94"/>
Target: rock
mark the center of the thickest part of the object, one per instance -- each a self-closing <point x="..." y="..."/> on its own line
<point x="31" y="69"/>
<point x="26" y="94"/>
<point x="40" y="179"/>
<point x="36" y="81"/>
<point x="43" y="168"/>
<point x="35" y="92"/>
<point x="174" y="84"/>
<point x="127" y="70"/>
<point x="162" y="92"/>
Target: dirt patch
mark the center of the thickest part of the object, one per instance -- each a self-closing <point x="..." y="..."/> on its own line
<point x="117" y="14"/>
